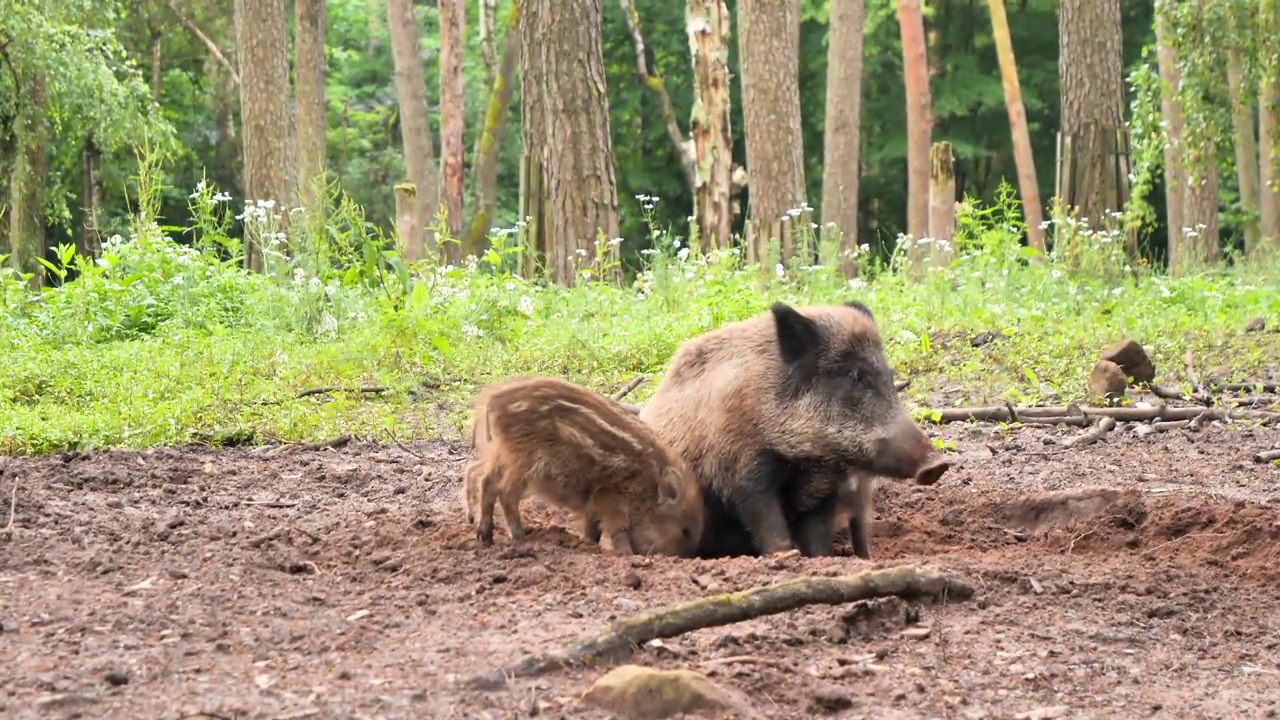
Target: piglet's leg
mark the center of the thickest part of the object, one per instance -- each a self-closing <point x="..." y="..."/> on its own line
<point x="590" y="527"/>
<point x="488" y="496"/>
<point x="510" y="502"/>
<point x="611" y="521"/>
<point x="622" y="542"/>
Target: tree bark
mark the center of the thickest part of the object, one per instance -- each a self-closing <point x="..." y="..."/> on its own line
<point x="842" y="131"/>
<point x="1269" y="135"/>
<point x="415" y="130"/>
<point x="266" y="115"/>
<point x="90" y="198"/>
<point x="942" y="203"/>
<point x="915" y="73"/>
<point x="769" y="48"/>
<point x="1202" y="206"/>
<point x="566" y="115"/>
<point x="309" y="70"/>
<point x="1022" y="157"/>
<point x="1091" y="83"/>
<point x="486" y="10"/>
<point x="452" y="112"/>
<point x="157" y="65"/>
<point x="26" y="186"/>
<point x="1246" y="148"/>
<point x="1175" y="173"/>
<point x="707" y="25"/>
<point x="490" y="136"/>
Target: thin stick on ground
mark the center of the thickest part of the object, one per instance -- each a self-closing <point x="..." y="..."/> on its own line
<point x="1261" y="387"/>
<point x="629" y="388"/>
<point x="621" y="638"/>
<point x="1093" y="434"/>
<point x="997" y="413"/>
<point x="370" y="389"/>
<point x="1197" y="389"/>
<point x="1265" y="456"/>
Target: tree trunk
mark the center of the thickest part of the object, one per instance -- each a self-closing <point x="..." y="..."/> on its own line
<point x="1091" y="83"/>
<point x="1022" y="157"/>
<point x="486" y="10"/>
<point x="942" y="203"/>
<point x="495" y="119"/>
<point x="1202" y="243"/>
<point x="1269" y="135"/>
<point x="684" y="150"/>
<point x="915" y="72"/>
<point x="842" y="131"/>
<point x="415" y="130"/>
<point x="707" y="25"/>
<point x="26" y="186"/>
<point x="265" y="109"/>
<point x="1175" y="173"/>
<point x="452" y="111"/>
<point x="1246" y="148"/>
<point x="309" y="69"/>
<point x="769" y="48"/>
<point x="157" y="66"/>
<point x="566" y="115"/>
<point x="90" y="198"/>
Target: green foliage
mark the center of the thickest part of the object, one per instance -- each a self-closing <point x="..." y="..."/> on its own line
<point x="159" y="342"/>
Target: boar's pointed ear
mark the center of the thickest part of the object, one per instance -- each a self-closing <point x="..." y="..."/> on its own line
<point x="797" y="335"/>
<point x="668" y="486"/>
<point x="860" y="308"/>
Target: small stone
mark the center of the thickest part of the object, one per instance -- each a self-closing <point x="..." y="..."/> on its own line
<point x="65" y="700"/>
<point x="390" y="565"/>
<point x="1257" y="324"/>
<point x="986" y="337"/>
<point x="631" y="580"/>
<point x="116" y="678"/>
<point x="1107" y="380"/>
<point x="1143" y="430"/>
<point x="919" y="632"/>
<point x="1044" y="713"/>
<point x="498" y="578"/>
<point x="703" y="581"/>
<point x="175" y="521"/>
<point x="1132" y="359"/>
<point x="642" y="693"/>
<point x="831" y="698"/>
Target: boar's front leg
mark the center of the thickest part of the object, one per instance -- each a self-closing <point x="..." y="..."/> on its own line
<point x="606" y="512"/>
<point x="754" y="499"/>
<point x="590" y="526"/>
<point x="860" y="517"/>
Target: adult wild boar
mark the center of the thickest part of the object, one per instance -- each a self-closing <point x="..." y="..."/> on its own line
<point x="584" y="452"/>
<point x="774" y="413"/>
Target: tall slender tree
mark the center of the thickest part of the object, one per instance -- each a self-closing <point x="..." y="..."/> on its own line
<point x="915" y="73"/>
<point x="452" y="110"/>
<point x="265" y="108"/>
<point x="769" y="48"/>
<point x="842" y="131"/>
<point x="1022" y="157"/>
<point x="566" y="127"/>
<point x="309" y="71"/>
<point x="415" y="129"/>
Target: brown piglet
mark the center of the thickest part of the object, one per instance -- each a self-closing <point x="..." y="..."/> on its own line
<point x="585" y="453"/>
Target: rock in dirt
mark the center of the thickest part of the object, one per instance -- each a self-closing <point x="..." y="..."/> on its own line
<point x="1107" y="380"/>
<point x="636" y="692"/>
<point x="631" y="580"/>
<point x="1132" y="359"/>
<point x="1257" y="324"/>
<point x="831" y="698"/>
<point x="116" y="678"/>
<point x="919" y="632"/>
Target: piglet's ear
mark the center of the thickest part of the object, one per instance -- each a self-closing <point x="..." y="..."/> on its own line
<point x="798" y="336"/>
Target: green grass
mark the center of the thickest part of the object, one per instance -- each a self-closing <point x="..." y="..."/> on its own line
<point x="160" y="345"/>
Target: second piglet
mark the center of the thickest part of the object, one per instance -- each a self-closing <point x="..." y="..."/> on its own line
<point x="577" y="449"/>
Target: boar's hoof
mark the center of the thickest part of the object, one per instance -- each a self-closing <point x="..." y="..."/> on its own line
<point x="932" y="471"/>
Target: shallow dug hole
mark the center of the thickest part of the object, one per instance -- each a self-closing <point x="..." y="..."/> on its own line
<point x="1134" y="578"/>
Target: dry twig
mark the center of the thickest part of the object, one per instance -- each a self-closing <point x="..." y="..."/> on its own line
<point x="1093" y="434"/>
<point x="998" y="413"/>
<point x="630" y="387"/>
<point x="335" y="443"/>
<point x="1264" y="456"/>
<point x="622" y="637"/>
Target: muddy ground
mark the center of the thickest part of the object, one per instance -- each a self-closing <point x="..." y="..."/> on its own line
<point x="292" y="583"/>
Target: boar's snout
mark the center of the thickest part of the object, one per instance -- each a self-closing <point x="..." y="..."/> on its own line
<point x="933" y="470"/>
<point x="905" y="452"/>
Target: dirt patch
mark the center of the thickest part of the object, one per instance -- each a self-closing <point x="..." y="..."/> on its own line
<point x="1135" y="577"/>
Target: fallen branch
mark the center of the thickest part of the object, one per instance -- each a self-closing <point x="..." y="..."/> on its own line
<point x="1265" y="456"/>
<point x="622" y="637"/>
<point x="1093" y="434"/>
<point x="998" y="413"/>
<point x="630" y="387"/>
<point x="1197" y="389"/>
<point x="1192" y="424"/>
<point x="335" y="443"/>
<point x="1261" y="387"/>
<point x="374" y="389"/>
